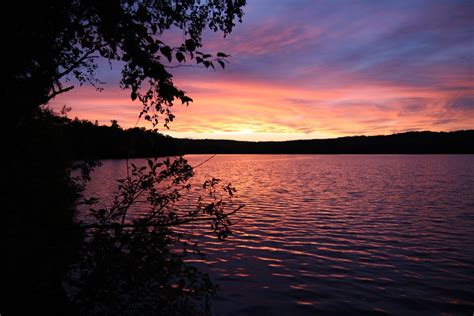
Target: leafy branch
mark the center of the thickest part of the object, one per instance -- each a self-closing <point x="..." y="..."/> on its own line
<point x="145" y="229"/>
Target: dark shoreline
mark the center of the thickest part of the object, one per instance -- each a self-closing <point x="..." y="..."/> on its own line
<point x="82" y="139"/>
<point x="412" y="143"/>
<point x="271" y="154"/>
<point x="459" y="142"/>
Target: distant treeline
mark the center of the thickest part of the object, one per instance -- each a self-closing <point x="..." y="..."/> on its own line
<point x="459" y="142"/>
<point x="84" y="139"/>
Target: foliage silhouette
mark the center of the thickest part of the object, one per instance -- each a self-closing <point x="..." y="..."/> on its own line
<point x="40" y="234"/>
<point x="133" y="260"/>
<point x="52" y="44"/>
<point x="64" y="40"/>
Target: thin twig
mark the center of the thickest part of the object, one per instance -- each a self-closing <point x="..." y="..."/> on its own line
<point x="178" y="66"/>
<point x="200" y="164"/>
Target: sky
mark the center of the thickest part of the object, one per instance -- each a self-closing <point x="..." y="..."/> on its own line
<point x="317" y="69"/>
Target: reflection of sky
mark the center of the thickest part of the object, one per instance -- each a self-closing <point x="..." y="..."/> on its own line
<point x="309" y="69"/>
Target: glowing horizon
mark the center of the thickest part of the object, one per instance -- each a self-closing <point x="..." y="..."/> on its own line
<point x="319" y="70"/>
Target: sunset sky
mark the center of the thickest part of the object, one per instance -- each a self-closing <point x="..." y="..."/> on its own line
<point x="318" y="69"/>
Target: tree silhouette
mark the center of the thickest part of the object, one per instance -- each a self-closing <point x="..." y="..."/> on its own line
<point x="51" y="42"/>
<point x="114" y="124"/>
<point x="51" y="46"/>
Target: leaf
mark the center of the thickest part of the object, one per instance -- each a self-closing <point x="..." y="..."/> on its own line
<point x="185" y="99"/>
<point x="221" y="63"/>
<point x="198" y="60"/>
<point x="133" y="95"/>
<point x="154" y="48"/>
<point x="166" y="51"/>
<point x="221" y="54"/>
<point x="179" y="56"/>
<point x="190" y="44"/>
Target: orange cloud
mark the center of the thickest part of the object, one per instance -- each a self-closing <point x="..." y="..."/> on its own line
<point x="239" y="109"/>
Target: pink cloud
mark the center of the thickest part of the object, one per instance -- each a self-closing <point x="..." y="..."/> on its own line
<point x="259" y="110"/>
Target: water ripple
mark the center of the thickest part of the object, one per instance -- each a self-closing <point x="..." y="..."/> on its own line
<point x="341" y="234"/>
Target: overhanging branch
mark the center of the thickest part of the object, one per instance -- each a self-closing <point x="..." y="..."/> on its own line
<point x="56" y="92"/>
<point x="76" y="64"/>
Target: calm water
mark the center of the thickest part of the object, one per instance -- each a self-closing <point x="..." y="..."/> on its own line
<point x="341" y="234"/>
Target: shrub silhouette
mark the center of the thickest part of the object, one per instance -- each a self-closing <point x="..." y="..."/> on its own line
<point x="133" y="262"/>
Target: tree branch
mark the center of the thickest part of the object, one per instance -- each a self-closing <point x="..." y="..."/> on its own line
<point x="76" y="64"/>
<point x="162" y="224"/>
<point x="55" y="93"/>
<point x="179" y="66"/>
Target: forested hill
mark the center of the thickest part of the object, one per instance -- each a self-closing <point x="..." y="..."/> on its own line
<point x="83" y="139"/>
<point x="404" y="143"/>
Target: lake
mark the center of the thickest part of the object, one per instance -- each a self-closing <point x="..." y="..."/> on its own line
<point x="353" y="234"/>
